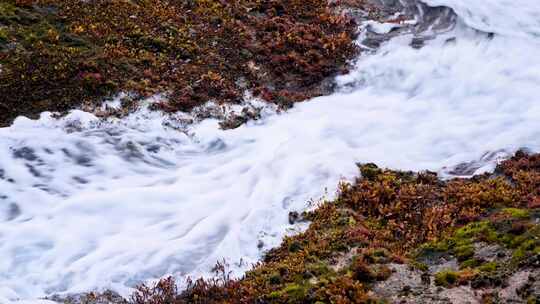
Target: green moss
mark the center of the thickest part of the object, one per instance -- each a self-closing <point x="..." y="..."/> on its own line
<point x="461" y="242"/>
<point x="524" y="245"/>
<point x="488" y="267"/>
<point x="274" y="295"/>
<point x="3" y="33"/>
<point x="418" y="265"/>
<point x="517" y="213"/>
<point x="477" y="229"/>
<point x="7" y="11"/>
<point x="434" y="247"/>
<point x="464" y="252"/>
<point x="526" y="249"/>
<point x="513" y="241"/>
<point x="446" y="278"/>
<point x="470" y="263"/>
<point x="295" y="292"/>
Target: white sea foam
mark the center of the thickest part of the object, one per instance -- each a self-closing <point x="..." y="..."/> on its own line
<point x="88" y="205"/>
<point x="507" y="17"/>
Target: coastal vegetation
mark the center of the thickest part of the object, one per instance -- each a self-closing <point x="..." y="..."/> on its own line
<point x="56" y="55"/>
<point x="397" y="237"/>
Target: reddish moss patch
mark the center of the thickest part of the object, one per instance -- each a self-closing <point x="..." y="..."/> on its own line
<point x="384" y="218"/>
<point x="58" y="54"/>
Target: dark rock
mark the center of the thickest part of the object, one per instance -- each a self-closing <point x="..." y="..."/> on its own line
<point x="293" y="217"/>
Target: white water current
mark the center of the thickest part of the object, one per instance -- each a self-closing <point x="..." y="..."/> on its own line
<point x="92" y="205"/>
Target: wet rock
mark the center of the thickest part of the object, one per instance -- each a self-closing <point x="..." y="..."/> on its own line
<point x="374" y="42"/>
<point x="490" y="252"/>
<point x="472" y="167"/>
<point x="234" y="120"/>
<point x="429" y="20"/>
<point x="293" y="217"/>
<point x="417" y="42"/>
<point x="106" y="297"/>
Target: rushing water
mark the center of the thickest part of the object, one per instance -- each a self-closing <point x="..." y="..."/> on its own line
<point x="88" y="205"/>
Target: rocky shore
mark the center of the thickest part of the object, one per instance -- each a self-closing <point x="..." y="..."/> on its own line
<point x="389" y="236"/>
<point x="57" y="55"/>
<point x="393" y="237"/>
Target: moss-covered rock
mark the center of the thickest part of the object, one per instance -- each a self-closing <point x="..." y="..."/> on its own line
<point x="446" y="278"/>
<point x="60" y="54"/>
<point x="400" y="217"/>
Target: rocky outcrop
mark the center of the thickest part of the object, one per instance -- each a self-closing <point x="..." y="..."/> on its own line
<point x="400" y="237"/>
